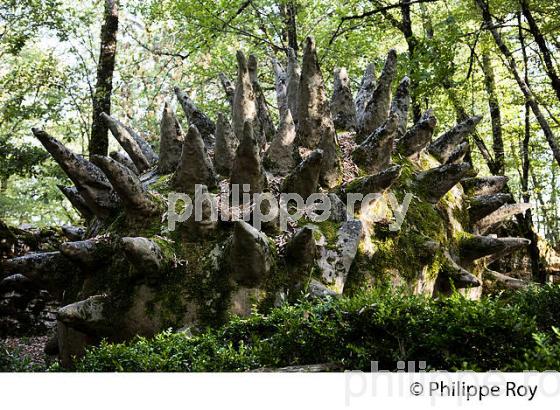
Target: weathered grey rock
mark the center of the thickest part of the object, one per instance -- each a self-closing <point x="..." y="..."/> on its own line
<point x="91" y="183"/>
<point x="300" y="250"/>
<point x="16" y="283"/>
<point x="374" y="154"/>
<point x="196" y="117"/>
<point x="203" y="221"/>
<point x="247" y="167"/>
<point x="39" y="266"/>
<point x="483" y="205"/>
<point x="144" y="145"/>
<point x="145" y="255"/>
<point x="280" y="157"/>
<point x="228" y="86"/>
<point x="128" y="142"/>
<point x="377" y="108"/>
<point x="436" y="182"/>
<point x="195" y="166"/>
<point x="317" y="290"/>
<point x="74" y="233"/>
<point x="374" y="183"/>
<point x="304" y="179"/>
<point x="343" y="108"/>
<point x="123" y="158"/>
<point x="72" y="194"/>
<point x="293" y="74"/>
<point x="245" y="102"/>
<point x="459" y="153"/>
<point x="338" y="211"/>
<point x="365" y="92"/>
<point x="400" y="104"/>
<point x="444" y="145"/>
<point x="86" y="315"/>
<point x="170" y="142"/>
<point x="500" y="215"/>
<point x="331" y="169"/>
<point x="475" y="247"/>
<point x="266" y="125"/>
<point x="250" y="256"/>
<point x="314" y="117"/>
<point x="127" y="185"/>
<point x="334" y="262"/>
<point x="226" y="145"/>
<point x="418" y="136"/>
<point x="280" y="84"/>
<point x="89" y="252"/>
<point x="484" y="185"/>
<point x="460" y="277"/>
<point x="506" y="281"/>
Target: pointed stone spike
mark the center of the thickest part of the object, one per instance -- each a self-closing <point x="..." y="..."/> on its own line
<point x="331" y="170"/>
<point x="459" y="153"/>
<point x="460" y="277"/>
<point x="501" y="214"/>
<point x="144" y="145"/>
<point x="418" y="136"/>
<point x="247" y="167"/>
<point x="436" y="182"/>
<point x="250" y="256"/>
<point x="377" y="108"/>
<point x="314" y="116"/>
<point x="367" y="86"/>
<point x="374" y="183"/>
<point x="304" y="179"/>
<point x="505" y="280"/>
<point x="86" y="315"/>
<point x="484" y="185"/>
<point x="266" y="124"/>
<point x="245" y="102"/>
<point x="89" y="252"/>
<point x="127" y="185"/>
<point x="475" y="247"/>
<point x="293" y="74"/>
<point x="72" y="194"/>
<point x="343" y="108"/>
<point x="300" y="250"/>
<point x="92" y="184"/>
<point x="40" y="266"/>
<point x="203" y="123"/>
<point x="442" y="147"/>
<point x="374" y="154"/>
<point x="483" y="205"/>
<point x="280" y="156"/>
<point x="170" y="142"/>
<point x="228" y="87"/>
<point x="195" y="166"/>
<point x="400" y="104"/>
<point x="124" y="159"/>
<point x="226" y="145"/>
<point x="145" y="255"/>
<point x="280" y="84"/>
<point x="128" y="142"/>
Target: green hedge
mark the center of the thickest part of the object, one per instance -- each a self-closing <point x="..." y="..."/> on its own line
<point x="508" y="332"/>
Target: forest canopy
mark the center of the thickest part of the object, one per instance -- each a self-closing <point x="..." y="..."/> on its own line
<point x="464" y="57"/>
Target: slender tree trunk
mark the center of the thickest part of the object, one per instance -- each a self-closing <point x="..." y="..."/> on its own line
<point x="495" y="114"/>
<point x="528" y="94"/>
<point x="99" y="142"/>
<point x="289" y="13"/>
<point x="541" y="42"/>
<point x="526" y="221"/>
<point x="411" y="41"/>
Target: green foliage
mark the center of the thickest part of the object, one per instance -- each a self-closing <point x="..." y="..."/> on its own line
<point x="449" y="334"/>
<point x="12" y="361"/>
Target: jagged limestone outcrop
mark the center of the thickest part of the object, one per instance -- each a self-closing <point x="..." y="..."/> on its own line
<point x="403" y="210"/>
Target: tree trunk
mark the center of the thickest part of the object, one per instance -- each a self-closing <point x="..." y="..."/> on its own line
<point x="99" y="142"/>
<point x="495" y="115"/>
<point x="541" y="42"/>
<point x="289" y="13"/>
<point x="528" y="94"/>
<point x="411" y="42"/>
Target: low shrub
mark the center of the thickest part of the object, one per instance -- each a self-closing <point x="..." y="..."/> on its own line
<point x="510" y="332"/>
